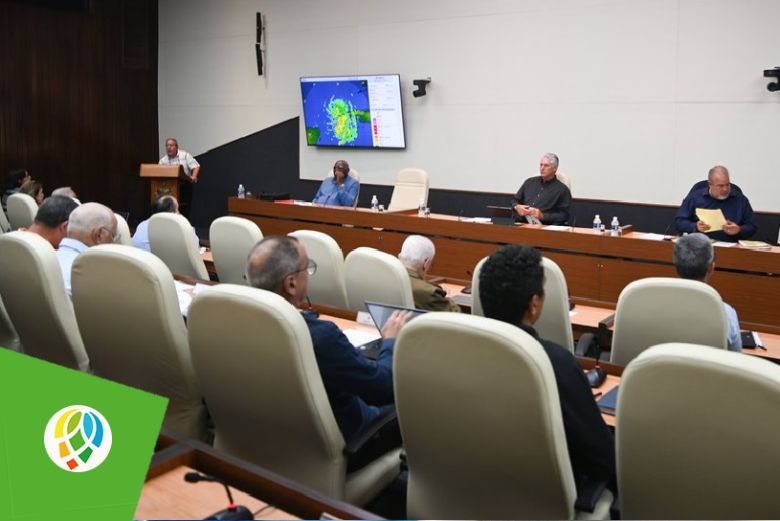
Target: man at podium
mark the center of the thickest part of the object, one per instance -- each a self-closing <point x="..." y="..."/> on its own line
<point x="174" y="156"/>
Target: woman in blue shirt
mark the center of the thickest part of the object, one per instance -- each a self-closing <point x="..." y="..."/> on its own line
<point x="339" y="190"/>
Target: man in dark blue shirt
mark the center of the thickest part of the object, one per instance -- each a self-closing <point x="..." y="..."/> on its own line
<point x="356" y="386"/>
<point x="719" y="193"/>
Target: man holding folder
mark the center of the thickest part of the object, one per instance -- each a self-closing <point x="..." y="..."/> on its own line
<point x="718" y="209"/>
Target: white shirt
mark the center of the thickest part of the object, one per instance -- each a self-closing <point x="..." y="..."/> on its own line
<point x="141" y="237"/>
<point x="184" y="159"/>
<point x="66" y="255"/>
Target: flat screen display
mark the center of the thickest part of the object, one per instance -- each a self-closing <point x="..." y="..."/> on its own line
<point x="353" y="111"/>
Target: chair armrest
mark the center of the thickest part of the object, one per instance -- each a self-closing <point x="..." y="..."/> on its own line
<point x="387" y="417"/>
<point x="589" y="494"/>
<point x="583" y="344"/>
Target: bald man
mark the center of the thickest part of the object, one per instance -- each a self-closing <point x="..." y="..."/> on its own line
<point x="90" y="224"/>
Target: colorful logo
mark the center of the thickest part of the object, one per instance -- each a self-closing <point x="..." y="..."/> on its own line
<point x="77" y="438"/>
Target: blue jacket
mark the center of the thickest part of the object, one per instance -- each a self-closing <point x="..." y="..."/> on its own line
<point x="355" y="385"/>
<point x="735" y="207"/>
<point x="332" y="193"/>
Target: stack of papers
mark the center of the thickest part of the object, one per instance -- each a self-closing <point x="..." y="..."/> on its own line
<point x="185" y="293"/>
<point x="756" y="245"/>
<point x="483" y="220"/>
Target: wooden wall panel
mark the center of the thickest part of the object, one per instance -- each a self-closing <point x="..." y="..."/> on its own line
<point x="71" y="113"/>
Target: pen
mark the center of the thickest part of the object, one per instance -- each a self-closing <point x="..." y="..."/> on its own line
<point x="761" y="347"/>
<point x="597" y="395"/>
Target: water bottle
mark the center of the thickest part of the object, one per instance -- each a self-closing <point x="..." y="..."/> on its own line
<point x="241" y="192"/>
<point x="374" y="204"/>
<point x="615" y="226"/>
<point x="421" y="209"/>
<point x="597" y="223"/>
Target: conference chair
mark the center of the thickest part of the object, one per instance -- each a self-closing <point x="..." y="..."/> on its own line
<point x="232" y="238"/>
<point x="9" y="338"/>
<point x="356" y="176"/>
<point x="21" y="210"/>
<point x="376" y="276"/>
<point x="697" y="435"/>
<point x="411" y="187"/>
<point x="327" y="286"/>
<point x="476" y="303"/>
<point x="172" y="239"/>
<point x="481" y="421"/>
<point x="705" y="183"/>
<point x="128" y="313"/>
<point x="5" y="226"/>
<point x="34" y="296"/>
<point x="658" y="310"/>
<point x="266" y="396"/>
<point x="564" y="178"/>
<point x="122" y="231"/>
<point x="554" y="323"/>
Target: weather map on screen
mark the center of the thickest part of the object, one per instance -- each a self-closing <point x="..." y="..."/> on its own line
<point x="353" y="111"/>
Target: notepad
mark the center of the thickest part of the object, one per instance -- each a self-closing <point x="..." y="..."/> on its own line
<point x="608" y="402"/>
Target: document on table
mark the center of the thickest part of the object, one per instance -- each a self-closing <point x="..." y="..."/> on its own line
<point x="185" y="293"/>
<point x="714" y="218"/>
<point x="358" y="337"/>
<point x="558" y="227"/>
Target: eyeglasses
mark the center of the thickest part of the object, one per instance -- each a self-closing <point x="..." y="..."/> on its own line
<point x="311" y="268"/>
<point x="112" y="234"/>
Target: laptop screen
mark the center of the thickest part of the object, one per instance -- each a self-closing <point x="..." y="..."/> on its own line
<point x="381" y="312"/>
<point x="500" y="211"/>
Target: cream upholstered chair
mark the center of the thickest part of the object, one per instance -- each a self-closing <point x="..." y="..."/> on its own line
<point x="34" y="296"/>
<point x="698" y="435"/>
<point x="657" y="310"/>
<point x="172" y="239"/>
<point x="122" y="231"/>
<point x="376" y="276"/>
<point x="265" y="376"/>
<point x="5" y="226"/>
<point x="327" y="286"/>
<point x="354" y="175"/>
<point x="232" y="238"/>
<point x="21" y="210"/>
<point x="128" y="313"/>
<point x="476" y="303"/>
<point x="554" y="323"/>
<point x="411" y="187"/>
<point x="9" y="338"/>
<point x="564" y="178"/>
<point x="481" y="447"/>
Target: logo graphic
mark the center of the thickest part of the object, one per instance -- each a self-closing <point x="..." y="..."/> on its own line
<point x="77" y="438"/>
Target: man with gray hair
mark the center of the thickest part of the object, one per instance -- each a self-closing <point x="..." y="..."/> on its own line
<point x="90" y="224"/>
<point x="543" y="198"/>
<point x="417" y="255"/>
<point x="360" y="391"/>
<point x="694" y="259"/>
<point x="66" y="191"/>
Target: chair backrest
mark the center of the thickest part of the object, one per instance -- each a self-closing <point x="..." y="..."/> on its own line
<point x="265" y="354"/>
<point x="480" y="447"/>
<point x="122" y="231"/>
<point x="9" y="338"/>
<point x="5" y="226"/>
<point x="232" y="238"/>
<point x="564" y="178"/>
<point x="411" y="187"/>
<point x="172" y="239"/>
<point x="327" y="286"/>
<point x="704" y="183"/>
<point x="476" y="303"/>
<point x="554" y="323"/>
<point x="354" y="175"/>
<point x="35" y="299"/>
<point x="698" y="435"/>
<point x="658" y="310"/>
<point x="128" y="313"/>
<point x="21" y="210"/>
<point x="376" y="276"/>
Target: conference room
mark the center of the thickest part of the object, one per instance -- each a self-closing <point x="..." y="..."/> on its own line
<point x="331" y="133"/>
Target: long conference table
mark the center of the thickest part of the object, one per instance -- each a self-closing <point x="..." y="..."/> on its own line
<point x="597" y="266"/>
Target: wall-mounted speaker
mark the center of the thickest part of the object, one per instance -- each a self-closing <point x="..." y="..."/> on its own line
<point x="259" y="43"/>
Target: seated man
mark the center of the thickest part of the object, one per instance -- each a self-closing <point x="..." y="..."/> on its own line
<point x="90" y="224"/>
<point x="511" y="288"/>
<point x="417" y="255"/>
<point x="51" y="221"/>
<point x="719" y="193"/>
<point x="67" y="192"/>
<point x="166" y="203"/>
<point x="694" y="259"/>
<point x="339" y="190"/>
<point x="357" y="388"/>
<point x="543" y="198"/>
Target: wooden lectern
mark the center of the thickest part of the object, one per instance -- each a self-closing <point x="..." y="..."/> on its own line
<point x="165" y="179"/>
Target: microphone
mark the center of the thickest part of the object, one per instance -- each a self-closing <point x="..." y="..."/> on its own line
<point x="666" y="231"/>
<point x="467" y="289"/>
<point x="597" y="375"/>
<point x="233" y="511"/>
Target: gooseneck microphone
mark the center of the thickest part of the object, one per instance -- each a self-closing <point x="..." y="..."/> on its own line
<point x="233" y="511"/>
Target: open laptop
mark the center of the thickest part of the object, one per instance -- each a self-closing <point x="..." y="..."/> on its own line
<point x="501" y="215"/>
<point x="379" y="314"/>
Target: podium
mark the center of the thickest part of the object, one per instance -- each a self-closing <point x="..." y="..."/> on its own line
<point x="164" y="179"/>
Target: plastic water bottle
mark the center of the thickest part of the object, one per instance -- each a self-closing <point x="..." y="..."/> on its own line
<point x="421" y="209"/>
<point x="615" y="226"/>
<point x="374" y="204"/>
<point x="597" y="223"/>
<point x="241" y="192"/>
